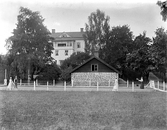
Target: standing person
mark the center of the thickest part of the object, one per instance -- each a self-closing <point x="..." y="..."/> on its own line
<point x="11" y="84"/>
<point x="115" y="88"/>
<point x="15" y="81"/>
<point x="141" y="83"/>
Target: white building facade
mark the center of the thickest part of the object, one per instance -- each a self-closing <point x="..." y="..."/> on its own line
<point x="66" y="43"/>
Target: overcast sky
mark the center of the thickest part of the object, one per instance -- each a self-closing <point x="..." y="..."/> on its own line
<point x="71" y="15"/>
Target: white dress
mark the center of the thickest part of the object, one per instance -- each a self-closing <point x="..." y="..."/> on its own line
<point x="115" y="88"/>
<point x="10" y="85"/>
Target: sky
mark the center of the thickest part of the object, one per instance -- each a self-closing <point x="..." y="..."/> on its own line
<point x="71" y="15"/>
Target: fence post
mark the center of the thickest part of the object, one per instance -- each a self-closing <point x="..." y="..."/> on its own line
<point x="47" y="85"/>
<point x="53" y="82"/>
<point x="20" y="82"/>
<point x="64" y="85"/>
<point x="72" y="83"/>
<point x="34" y="85"/>
<point x="109" y="83"/>
<point x="127" y="83"/>
<point x="163" y="85"/>
<point x="133" y="85"/>
<point x="158" y="84"/>
<point x="5" y="80"/>
<point x="97" y="86"/>
<point x="36" y="82"/>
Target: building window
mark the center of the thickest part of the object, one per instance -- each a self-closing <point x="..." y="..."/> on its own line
<point x="78" y="45"/>
<point x="61" y="44"/>
<point x="69" y="44"/>
<point x="56" y="52"/>
<point x="66" y="52"/>
<point x="94" y="67"/>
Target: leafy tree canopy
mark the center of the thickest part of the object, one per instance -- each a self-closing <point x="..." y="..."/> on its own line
<point x="158" y="50"/>
<point x="163" y="6"/>
<point x="138" y="60"/>
<point x="118" y="46"/>
<point x="31" y="42"/>
<point x="97" y="29"/>
<point x="70" y="63"/>
<point x="50" y="72"/>
<point x="75" y="60"/>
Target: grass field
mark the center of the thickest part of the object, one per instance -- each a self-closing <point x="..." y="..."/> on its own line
<point x="39" y="110"/>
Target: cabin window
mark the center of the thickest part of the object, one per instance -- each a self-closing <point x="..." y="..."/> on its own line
<point x="94" y="67"/>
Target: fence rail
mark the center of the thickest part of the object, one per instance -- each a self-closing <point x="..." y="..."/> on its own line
<point x="65" y="86"/>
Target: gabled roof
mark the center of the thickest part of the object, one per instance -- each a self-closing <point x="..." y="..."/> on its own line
<point x="70" y="34"/>
<point x="152" y="76"/>
<point x="94" y="57"/>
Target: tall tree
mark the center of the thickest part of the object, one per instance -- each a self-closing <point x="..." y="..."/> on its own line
<point x="30" y="43"/>
<point x="97" y="29"/>
<point x="138" y="60"/>
<point x="163" y="6"/>
<point x="118" y="46"/>
<point x="158" y="51"/>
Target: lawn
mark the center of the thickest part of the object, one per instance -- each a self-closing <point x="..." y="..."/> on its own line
<point x="39" y="110"/>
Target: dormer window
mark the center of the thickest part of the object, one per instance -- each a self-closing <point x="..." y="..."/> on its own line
<point x="64" y="35"/>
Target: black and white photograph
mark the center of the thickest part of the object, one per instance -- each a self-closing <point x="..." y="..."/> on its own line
<point x="83" y="64"/>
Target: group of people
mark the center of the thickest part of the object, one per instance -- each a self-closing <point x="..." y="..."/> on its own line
<point x="12" y="84"/>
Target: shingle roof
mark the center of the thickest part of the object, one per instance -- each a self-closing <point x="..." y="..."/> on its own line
<point x="71" y="34"/>
<point x="68" y="38"/>
<point x="94" y="57"/>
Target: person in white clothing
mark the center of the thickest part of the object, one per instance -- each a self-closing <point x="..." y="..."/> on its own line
<point x="115" y="88"/>
<point x="11" y="84"/>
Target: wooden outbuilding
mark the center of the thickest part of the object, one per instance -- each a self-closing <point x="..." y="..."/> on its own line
<point x="92" y="72"/>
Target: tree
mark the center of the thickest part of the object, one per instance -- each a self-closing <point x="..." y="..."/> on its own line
<point x="70" y="63"/>
<point x="138" y="60"/>
<point x="65" y="75"/>
<point x="163" y="6"/>
<point x="31" y="42"/>
<point x="158" y="51"/>
<point x="118" y="46"/>
<point x="75" y="60"/>
<point x="50" y="72"/>
<point x="96" y="31"/>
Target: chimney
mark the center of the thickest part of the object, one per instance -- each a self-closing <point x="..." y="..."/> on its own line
<point x="53" y="31"/>
<point x="96" y="51"/>
<point x="81" y="29"/>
